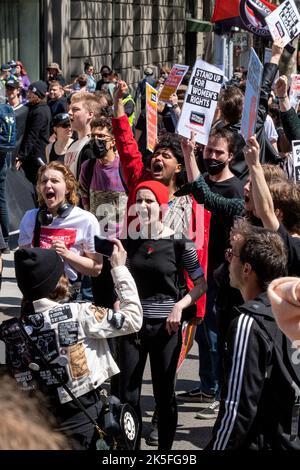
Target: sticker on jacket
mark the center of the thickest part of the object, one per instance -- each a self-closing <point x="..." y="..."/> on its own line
<point x="116" y="319"/>
<point x="77" y="361"/>
<point x="61" y="313"/>
<point x="68" y="333"/>
<point x="46" y="342"/>
<point x="98" y="312"/>
<point x="36" y="321"/>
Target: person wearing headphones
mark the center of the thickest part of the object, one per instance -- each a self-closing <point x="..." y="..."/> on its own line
<point x="58" y="223"/>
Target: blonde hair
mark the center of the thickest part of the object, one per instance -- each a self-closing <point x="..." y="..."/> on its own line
<point x="89" y="101"/>
<point x="25" y="422"/>
<point x="71" y="183"/>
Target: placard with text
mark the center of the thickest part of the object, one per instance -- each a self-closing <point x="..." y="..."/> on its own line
<point x="252" y="94"/>
<point x="173" y="81"/>
<point x="151" y="116"/>
<point x="284" y="22"/>
<point x="200" y="101"/>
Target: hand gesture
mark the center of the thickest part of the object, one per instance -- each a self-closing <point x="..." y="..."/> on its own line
<point x="174" y="319"/>
<point x="281" y="86"/>
<point x="251" y="152"/>
<point x="119" y="89"/>
<point x="119" y="255"/>
<point x="60" y="248"/>
<point x="277" y="47"/>
<point x="188" y="145"/>
<point x="173" y="99"/>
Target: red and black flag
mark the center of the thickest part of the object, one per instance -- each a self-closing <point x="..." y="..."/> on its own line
<point x="246" y="14"/>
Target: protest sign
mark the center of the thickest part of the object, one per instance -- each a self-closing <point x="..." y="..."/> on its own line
<point x="284" y="22"/>
<point x="200" y="101"/>
<point x="295" y="90"/>
<point x="296" y="160"/>
<point x="151" y="116"/>
<point x="251" y="102"/>
<point x="173" y="81"/>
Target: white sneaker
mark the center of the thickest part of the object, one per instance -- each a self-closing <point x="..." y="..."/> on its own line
<point x="211" y="412"/>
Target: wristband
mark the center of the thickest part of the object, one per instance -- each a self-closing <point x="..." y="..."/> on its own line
<point x="282" y="97"/>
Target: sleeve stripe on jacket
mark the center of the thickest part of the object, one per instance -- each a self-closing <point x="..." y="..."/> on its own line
<point x="235" y="382"/>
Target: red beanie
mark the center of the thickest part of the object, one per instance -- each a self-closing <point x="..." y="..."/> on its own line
<point x="159" y="190"/>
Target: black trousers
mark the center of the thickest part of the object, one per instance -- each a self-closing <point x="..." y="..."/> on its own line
<point x="163" y="350"/>
<point x="74" y="423"/>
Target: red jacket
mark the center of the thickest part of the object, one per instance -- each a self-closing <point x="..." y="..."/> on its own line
<point x="134" y="172"/>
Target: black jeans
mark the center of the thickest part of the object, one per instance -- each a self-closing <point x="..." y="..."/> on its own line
<point x="163" y="350"/>
<point x="74" y="423"/>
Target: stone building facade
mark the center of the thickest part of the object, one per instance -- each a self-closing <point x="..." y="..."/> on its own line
<point x="127" y="35"/>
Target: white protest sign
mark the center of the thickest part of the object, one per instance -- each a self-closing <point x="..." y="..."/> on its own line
<point x="252" y="94"/>
<point x="296" y="159"/>
<point x="295" y="89"/>
<point x="284" y="22"/>
<point x="200" y="101"/>
<point x="173" y="81"/>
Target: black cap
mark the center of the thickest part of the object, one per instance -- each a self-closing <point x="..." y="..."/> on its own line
<point x="39" y="88"/>
<point x="37" y="271"/>
<point x="60" y="119"/>
<point x="13" y="83"/>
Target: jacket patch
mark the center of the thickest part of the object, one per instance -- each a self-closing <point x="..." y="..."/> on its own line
<point x="78" y="363"/>
<point x="116" y="319"/>
<point x="59" y="314"/>
<point x="36" y="321"/>
<point x="98" y="312"/>
<point x="68" y="333"/>
<point x="46" y="342"/>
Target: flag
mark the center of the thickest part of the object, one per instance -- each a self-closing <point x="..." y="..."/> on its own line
<point x="246" y="14"/>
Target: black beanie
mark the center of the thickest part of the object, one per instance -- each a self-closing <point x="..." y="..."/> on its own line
<point x="39" y="88"/>
<point x="37" y="271"/>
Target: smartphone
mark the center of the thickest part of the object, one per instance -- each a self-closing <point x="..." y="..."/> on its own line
<point x="103" y="246"/>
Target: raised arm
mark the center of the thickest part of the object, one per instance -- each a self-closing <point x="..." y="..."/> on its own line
<point x="264" y="207"/>
<point x="289" y="118"/>
<point x="188" y="150"/>
<point x="212" y="201"/>
<point x="130" y="156"/>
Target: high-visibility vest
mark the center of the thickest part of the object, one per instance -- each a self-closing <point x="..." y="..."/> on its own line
<point x="131" y="117"/>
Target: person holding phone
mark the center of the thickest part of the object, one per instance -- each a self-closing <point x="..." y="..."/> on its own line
<point x="58" y="223"/>
<point x="155" y="257"/>
<point x="72" y="336"/>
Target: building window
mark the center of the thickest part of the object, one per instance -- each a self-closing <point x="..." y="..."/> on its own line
<point x="20" y="34"/>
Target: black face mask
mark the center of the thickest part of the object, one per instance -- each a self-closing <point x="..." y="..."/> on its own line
<point x="98" y="147"/>
<point x="214" y="167"/>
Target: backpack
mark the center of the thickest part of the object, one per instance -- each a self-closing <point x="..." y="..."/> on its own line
<point x="284" y="377"/>
<point x="8" y="134"/>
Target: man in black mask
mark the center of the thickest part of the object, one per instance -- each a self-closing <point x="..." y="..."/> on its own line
<point x="217" y="155"/>
<point x="103" y="194"/>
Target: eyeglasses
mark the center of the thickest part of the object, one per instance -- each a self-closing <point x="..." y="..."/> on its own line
<point x="229" y="254"/>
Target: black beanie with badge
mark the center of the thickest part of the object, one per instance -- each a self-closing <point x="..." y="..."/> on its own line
<point x="37" y="271"/>
<point x="39" y="88"/>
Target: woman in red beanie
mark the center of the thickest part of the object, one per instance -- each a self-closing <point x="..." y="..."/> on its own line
<point x="156" y="257"/>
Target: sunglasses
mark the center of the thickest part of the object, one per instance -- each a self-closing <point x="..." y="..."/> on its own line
<point x="64" y="125"/>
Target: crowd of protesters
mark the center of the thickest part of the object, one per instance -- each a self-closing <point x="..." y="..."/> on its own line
<point x="84" y="148"/>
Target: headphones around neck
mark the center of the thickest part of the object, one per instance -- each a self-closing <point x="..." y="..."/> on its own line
<point x="46" y="218"/>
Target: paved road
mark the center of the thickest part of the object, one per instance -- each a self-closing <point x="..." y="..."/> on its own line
<point x="192" y="434"/>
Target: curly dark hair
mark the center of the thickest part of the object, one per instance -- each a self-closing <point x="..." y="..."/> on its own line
<point x="102" y="121"/>
<point x="172" y="142"/>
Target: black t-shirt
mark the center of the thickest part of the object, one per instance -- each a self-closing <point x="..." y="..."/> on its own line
<point x="219" y="226"/>
<point x="154" y="265"/>
<point x="293" y="248"/>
